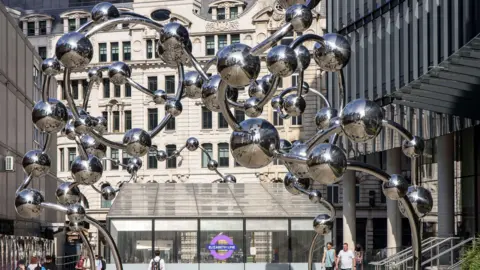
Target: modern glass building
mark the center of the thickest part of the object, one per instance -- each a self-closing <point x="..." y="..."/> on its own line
<point x="214" y="226"/>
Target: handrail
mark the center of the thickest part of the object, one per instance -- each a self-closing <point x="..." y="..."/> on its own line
<point x="454" y="266"/>
<point x="429" y="248"/>
<point x="403" y="252"/>
<point x="448" y="250"/>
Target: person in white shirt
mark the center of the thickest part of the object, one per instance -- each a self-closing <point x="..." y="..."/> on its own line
<point x="157" y="263"/>
<point x="98" y="263"/>
<point x="345" y="259"/>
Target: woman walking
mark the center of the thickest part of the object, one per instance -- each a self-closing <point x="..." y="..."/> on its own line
<point x="359" y="257"/>
<point x="329" y="257"/>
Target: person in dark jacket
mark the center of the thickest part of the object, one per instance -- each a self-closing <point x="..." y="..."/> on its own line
<point x="49" y="263"/>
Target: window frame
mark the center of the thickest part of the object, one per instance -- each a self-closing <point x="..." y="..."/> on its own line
<point x="127" y="115"/>
<point x="152" y="81"/>
<point x="172" y="162"/>
<point x="115" y="155"/>
<point x="210" y="45"/>
<point x="152" y="162"/>
<point x="42" y="27"/>
<point x="222" y="41"/>
<point x="207" y="121"/>
<point x="277" y="121"/>
<point x="171" y="124"/>
<point x="149" y="50"/>
<point x="170" y="84"/>
<point x="221" y="120"/>
<point x="30" y="30"/>
<point x="208" y="147"/>
<point x="106" y="87"/>
<point x="102" y="52"/>
<point x="223" y="161"/>
<point x="221" y="16"/>
<point x="235" y="14"/>
<point x="72" y="28"/>
<point x="152" y="114"/>
<point x="114" y="51"/>
<point x="116" y="121"/>
<point x="126" y="51"/>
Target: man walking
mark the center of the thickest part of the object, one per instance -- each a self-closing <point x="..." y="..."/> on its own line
<point x="157" y="263"/>
<point x="345" y="259"/>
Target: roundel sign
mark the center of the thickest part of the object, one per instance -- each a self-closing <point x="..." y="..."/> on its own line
<point x="221" y="247"/>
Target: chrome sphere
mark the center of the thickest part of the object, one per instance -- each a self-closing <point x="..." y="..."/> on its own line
<point x="192" y="144"/>
<point x="160" y="97"/>
<point x="291" y="182"/>
<point x="315" y="196"/>
<point x="212" y="165"/>
<point x="119" y="72"/>
<point x="173" y="107"/>
<point x="104" y="11"/>
<point x="361" y="120"/>
<point x="285" y="146"/>
<point x="94" y="74"/>
<point x="300" y="170"/>
<point x="209" y="93"/>
<point x="294" y="105"/>
<point x="86" y="172"/>
<point x="108" y="193"/>
<point x="413" y="148"/>
<point x="300" y="16"/>
<point x="51" y="67"/>
<point x="137" y="141"/>
<point x="258" y="89"/>
<point x="396" y="187"/>
<point x="287" y="3"/>
<point x="76" y="227"/>
<point x="83" y="124"/>
<point x="252" y="146"/>
<point x="296" y="142"/>
<point x="324" y="117"/>
<point x="174" y="44"/>
<point x="326" y="163"/>
<point x="268" y="78"/>
<point x="323" y="224"/>
<point x="36" y="163"/>
<point x="251" y="107"/>
<point x="69" y="130"/>
<point x="134" y="164"/>
<point x="93" y="147"/>
<point x="74" y="50"/>
<point x="68" y="193"/>
<point x="101" y="125"/>
<point x="193" y="84"/>
<point x="282" y="61"/>
<point x="237" y="66"/>
<point x="80" y="110"/>
<point x="230" y="179"/>
<point x="76" y="213"/>
<point x="277" y="102"/>
<point x="49" y="117"/>
<point x="132" y="168"/>
<point x="27" y="203"/>
<point x="334" y="55"/>
<point x="303" y="57"/>
<point x="161" y="155"/>
<point x="421" y="199"/>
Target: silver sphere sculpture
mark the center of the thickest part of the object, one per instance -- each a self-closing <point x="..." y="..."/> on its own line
<point x="285" y="146"/>
<point x="361" y="120"/>
<point x="193" y="84"/>
<point x="69" y="130"/>
<point x="104" y="11"/>
<point x="251" y="107"/>
<point x="95" y="75"/>
<point x="51" y="116"/>
<point x="230" y="179"/>
<point x="277" y="102"/>
<point x="300" y="170"/>
<point x="86" y="171"/>
<point x="68" y="193"/>
<point x="315" y="196"/>
<point x="173" y="107"/>
<point x="161" y="155"/>
<point x="303" y="57"/>
<point x="300" y="16"/>
<point x="237" y="66"/>
<point x="323" y="224"/>
<point x="174" y="44"/>
<point x="282" y="61"/>
<point x="93" y="147"/>
<point x="74" y="50"/>
<point x="335" y="55"/>
<point x="119" y="72"/>
<point x="258" y="89"/>
<point x="212" y="165"/>
<point x="108" y="193"/>
<point x="76" y="227"/>
<point x="76" y="213"/>
<point x="209" y="93"/>
<point x="28" y="203"/>
<point x="101" y="125"/>
<point x="51" y="67"/>
<point x="292" y="183"/>
<point x="413" y="148"/>
<point x="326" y="163"/>
<point x="137" y="142"/>
<point x="396" y="187"/>
<point x="36" y="163"/>
<point x="160" y="97"/>
<point x="421" y="199"/>
<point x="192" y="144"/>
<point x="134" y="164"/>
<point x="294" y="105"/>
<point x="324" y="117"/>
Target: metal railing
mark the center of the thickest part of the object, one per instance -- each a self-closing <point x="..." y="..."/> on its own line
<point x="449" y="257"/>
<point x="67" y="262"/>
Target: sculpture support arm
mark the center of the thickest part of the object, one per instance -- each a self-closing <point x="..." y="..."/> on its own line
<point x="322" y="135"/>
<point x="271" y="91"/>
<point x="25" y="183"/>
<point x="99" y="138"/>
<point x="300" y="83"/>
<point x="407" y="135"/>
<point x="342" y="97"/>
<point x="109" y="239"/>
<point x="87" y="95"/>
<point x="271" y="40"/>
<point x="223" y="103"/>
<point x="180" y="88"/>
<point x="154" y="132"/>
<point x="68" y="93"/>
<point x="139" y="87"/>
<point x="307" y="37"/>
<point x="81" y="150"/>
<point x="314" y="91"/>
<point x="197" y="66"/>
<point x="45" y="88"/>
<point x="89" y="248"/>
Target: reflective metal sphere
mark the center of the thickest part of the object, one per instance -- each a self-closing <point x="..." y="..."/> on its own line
<point x="160" y="97"/>
<point x="291" y="182"/>
<point x="277" y="102"/>
<point x="324" y="116"/>
<point x="300" y="170"/>
<point x="294" y="105"/>
<point x="74" y="50"/>
<point x="118" y="73"/>
<point x="300" y="16"/>
<point x="315" y="196"/>
<point x="268" y="78"/>
<point x="173" y="107"/>
<point x="108" y="193"/>
<point x="134" y="164"/>
<point x="86" y="172"/>
<point x="209" y="93"/>
<point x="421" y="199"/>
<point x="334" y="55"/>
<point x="76" y="227"/>
<point x="297" y="142"/>
<point x="174" y="44"/>
<point x="51" y="67"/>
<point x="251" y="107"/>
<point x="193" y="84"/>
<point x="413" y="148"/>
<point x="237" y="66"/>
<point x="36" y="163"/>
<point x="252" y="146"/>
<point x="282" y="61"/>
<point x="212" y="165"/>
<point x="69" y="130"/>
<point x="323" y="224"/>
<point x="287" y="3"/>
<point x="132" y="168"/>
<point x="76" y="213"/>
<point x="192" y="144"/>
<point x="137" y="141"/>
<point x="68" y="193"/>
<point x="258" y="89"/>
<point x="104" y="11"/>
<point x="326" y="163"/>
<point x="101" y="125"/>
<point x="285" y="146"/>
<point x="27" y="203"/>
<point x="396" y="187"/>
<point x="361" y="120"/>
<point x="94" y="74"/>
<point x="83" y="124"/>
<point x="93" y="147"/>
<point x="49" y="117"/>
<point x="162" y="155"/>
<point x="230" y="179"/>
<point x="303" y="57"/>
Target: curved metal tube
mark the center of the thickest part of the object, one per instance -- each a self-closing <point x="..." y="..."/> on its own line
<point x="180" y="88"/>
<point x="197" y="65"/>
<point x="25" y="183"/>
<point x="154" y="132"/>
<point x="109" y="239"/>
<point x="96" y="189"/>
<point x="267" y="43"/>
<point x="133" y="14"/>
<point x="84" y="26"/>
<point x="87" y="95"/>
<point x="286" y="157"/>
<point x="327" y="103"/>
<point x="46" y="144"/>
<point x="321" y="136"/>
<point x="307" y="37"/>
<point x="398" y="128"/>
<point x="84" y="201"/>
<point x="89" y="248"/>
<point x="271" y="91"/>
<point x="300" y="82"/>
<point x="223" y="103"/>
<point x="343" y="101"/>
<point x="282" y="115"/>
<point x="139" y="87"/>
<point x="70" y="101"/>
<point x="45" y="88"/>
<point x="81" y="150"/>
<point x="123" y="20"/>
<point x="99" y="138"/>
<point x="311" y="4"/>
<point x="310" y="252"/>
<point x="209" y="64"/>
<point x="236" y="105"/>
<point x="54" y="206"/>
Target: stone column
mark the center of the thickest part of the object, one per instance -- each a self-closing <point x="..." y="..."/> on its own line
<point x="37" y="28"/>
<point x="49" y="27"/>
<point x="216" y="43"/>
<point x="214" y="13"/>
<point x="446" y="186"/>
<point x="80" y="89"/>
<point x="394" y="219"/>
<point x="229" y="39"/>
<point x="240" y="9"/>
<point x="349" y="211"/>
<point x="25" y="28"/>
<point x="65" y="25"/>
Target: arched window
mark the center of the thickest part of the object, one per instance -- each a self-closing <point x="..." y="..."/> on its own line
<point x="208" y="149"/>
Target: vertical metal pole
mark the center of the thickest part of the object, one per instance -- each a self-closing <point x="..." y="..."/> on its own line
<point x="198" y="244"/>
<point x="153" y="239"/>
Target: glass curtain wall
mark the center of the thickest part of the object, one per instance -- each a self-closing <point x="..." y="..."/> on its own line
<point x="134" y="240"/>
<point x="177" y="240"/>
<point x="267" y="241"/>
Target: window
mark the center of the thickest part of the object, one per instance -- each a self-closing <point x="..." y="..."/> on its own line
<point x="125" y="157"/>
<point x="357" y="193"/>
<point x="297" y="120"/>
<point x="116" y="121"/>
<point x="117" y="91"/>
<point x="208" y="149"/>
<point x="220" y="13"/>
<point x="181" y="234"/>
<point x="128" y="120"/>
<point x="300" y="234"/>
<point x="42" y="51"/>
<point x="222" y="123"/>
<point x="114" y="51"/>
<point x="172" y="162"/>
<point x="206" y="118"/>
<point x="157" y="55"/>
<point x="62" y="90"/>
<point x="222" y="41"/>
<point x="152" y="118"/>
<point x="231" y="228"/>
<point x="127" y="56"/>
<point x="105" y="203"/>
<point x="280" y="82"/>
<point x="277" y="120"/>
<point x="114" y="155"/>
<point x="149" y="49"/>
<point x="72" y="152"/>
<point x="270" y="237"/>
<point x="102" y="47"/>
<point x="234" y="39"/>
<point x="171" y="124"/>
<point x="62" y="160"/>
<point x="128" y="90"/>
<point x="105" y="115"/>
<point x="42" y="25"/>
<point x="294" y="80"/>
<point x="170" y="84"/>
<point x="106" y="88"/>
<point x="233" y="12"/>
<point x="85" y="88"/>
<point x="332" y="193"/>
<point x="72" y="25"/>
<point x="210" y="45"/>
<point x="239" y="115"/>
<point x="83" y="21"/>
<point x="152" y="83"/>
<point x="152" y="160"/>
<point x="75" y="89"/>
<point x="31" y="29"/>
<point x="287" y="39"/>
<point x="125" y="25"/>
<point x="223" y="155"/>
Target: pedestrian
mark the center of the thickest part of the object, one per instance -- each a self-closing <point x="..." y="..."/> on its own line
<point x="345" y="259"/>
<point x="329" y="257"/>
<point x="79" y="265"/>
<point x="157" y="263"/>
<point x="104" y="263"/>
<point x="87" y="264"/>
<point x="21" y="265"/>
<point x="98" y="263"/>
<point x="358" y="257"/>
<point x="49" y="263"/>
